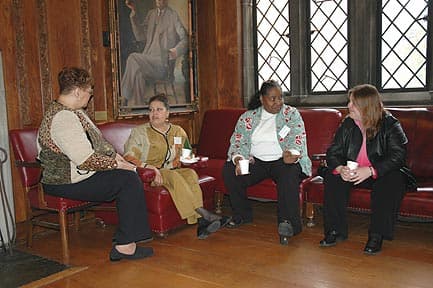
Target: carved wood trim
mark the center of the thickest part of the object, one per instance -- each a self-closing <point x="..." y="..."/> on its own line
<point x="44" y="59"/>
<point x="85" y="46"/>
<point x="22" y="79"/>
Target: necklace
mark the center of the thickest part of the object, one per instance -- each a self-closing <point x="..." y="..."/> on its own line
<point x="164" y="132"/>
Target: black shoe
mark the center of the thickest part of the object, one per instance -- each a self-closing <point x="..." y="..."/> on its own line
<point x="205" y="228"/>
<point x="331" y="239"/>
<point x="225" y="220"/>
<point x="374" y="244"/>
<point x="285" y="230"/>
<point x="140" y="253"/>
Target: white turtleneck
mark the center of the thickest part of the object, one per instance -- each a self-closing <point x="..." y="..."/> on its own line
<point x="264" y="141"/>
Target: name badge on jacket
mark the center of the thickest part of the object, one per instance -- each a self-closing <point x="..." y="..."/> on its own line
<point x="284" y="131"/>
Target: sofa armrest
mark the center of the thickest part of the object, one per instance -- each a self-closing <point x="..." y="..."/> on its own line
<point x="146" y="175"/>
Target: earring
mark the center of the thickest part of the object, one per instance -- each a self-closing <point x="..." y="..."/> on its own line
<point x="166" y="120"/>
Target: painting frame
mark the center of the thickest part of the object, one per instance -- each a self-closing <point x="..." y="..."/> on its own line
<point x="181" y="86"/>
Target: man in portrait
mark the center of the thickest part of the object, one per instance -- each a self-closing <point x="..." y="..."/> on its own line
<point x="165" y="39"/>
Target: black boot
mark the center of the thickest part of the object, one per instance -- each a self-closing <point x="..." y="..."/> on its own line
<point x="374" y="244"/>
<point x="331" y="239"/>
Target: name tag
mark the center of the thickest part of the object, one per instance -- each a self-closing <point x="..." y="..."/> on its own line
<point x="284" y="131"/>
<point x="177" y="140"/>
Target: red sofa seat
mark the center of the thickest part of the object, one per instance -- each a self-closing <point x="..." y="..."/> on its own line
<point x="418" y="126"/>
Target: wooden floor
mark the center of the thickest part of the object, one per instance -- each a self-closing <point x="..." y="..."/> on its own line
<point x="250" y="256"/>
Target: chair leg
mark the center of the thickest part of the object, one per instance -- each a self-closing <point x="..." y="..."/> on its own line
<point x="219" y="196"/>
<point x="309" y="213"/>
<point x="77" y="218"/>
<point x="64" y="236"/>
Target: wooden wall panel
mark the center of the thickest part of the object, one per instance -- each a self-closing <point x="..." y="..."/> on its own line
<point x="228" y="25"/>
<point x="64" y="36"/>
<point x="97" y="55"/>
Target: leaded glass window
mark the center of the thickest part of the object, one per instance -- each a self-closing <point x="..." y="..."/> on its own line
<point x="329" y="45"/>
<point x="273" y="45"/>
<point x="404" y="44"/>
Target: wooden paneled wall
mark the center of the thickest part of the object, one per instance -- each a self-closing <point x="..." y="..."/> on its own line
<point x="39" y="37"/>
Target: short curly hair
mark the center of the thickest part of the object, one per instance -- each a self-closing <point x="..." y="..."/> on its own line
<point x="74" y="77"/>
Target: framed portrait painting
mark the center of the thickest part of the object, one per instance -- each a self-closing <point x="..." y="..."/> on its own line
<point x="152" y="53"/>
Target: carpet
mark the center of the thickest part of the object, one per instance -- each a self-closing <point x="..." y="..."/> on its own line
<point x="22" y="268"/>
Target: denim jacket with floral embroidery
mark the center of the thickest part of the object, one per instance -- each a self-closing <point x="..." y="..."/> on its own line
<point x="240" y="141"/>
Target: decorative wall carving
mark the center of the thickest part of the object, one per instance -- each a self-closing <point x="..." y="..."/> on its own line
<point x="44" y="61"/>
<point x="85" y="45"/>
<point x="17" y="12"/>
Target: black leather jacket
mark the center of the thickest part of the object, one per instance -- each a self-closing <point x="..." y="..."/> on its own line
<point x="386" y="151"/>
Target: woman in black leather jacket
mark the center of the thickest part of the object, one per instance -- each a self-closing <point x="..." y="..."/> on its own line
<point x="375" y="140"/>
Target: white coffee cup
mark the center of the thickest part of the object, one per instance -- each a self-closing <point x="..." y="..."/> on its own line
<point x="186" y="153"/>
<point x="244" y="165"/>
<point x="352" y="165"/>
<point x="295" y="152"/>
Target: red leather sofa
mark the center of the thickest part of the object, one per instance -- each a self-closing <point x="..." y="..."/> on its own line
<point x="418" y="126"/>
<point x="163" y="215"/>
<point x="214" y="140"/>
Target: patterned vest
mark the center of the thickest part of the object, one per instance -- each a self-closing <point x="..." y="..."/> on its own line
<point x="56" y="165"/>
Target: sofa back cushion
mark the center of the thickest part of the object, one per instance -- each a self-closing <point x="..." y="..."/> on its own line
<point x="23" y="142"/>
<point x="417" y="123"/>
<point x="216" y="129"/>
<point x="320" y="126"/>
<point x="116" y="133"/>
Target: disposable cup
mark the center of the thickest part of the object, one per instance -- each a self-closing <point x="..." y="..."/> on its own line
<point x="352" y="165"/>
<point x="186" y="153"/>
<point x="244" y="166"/>
<point x="295" y="152"/>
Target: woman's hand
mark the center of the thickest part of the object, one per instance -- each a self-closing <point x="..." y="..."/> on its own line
<point x="356" y="176"/>
<point x="123" y="164"/>
<point x="360" y="174"/>
<point x="158" y="177"/>
<point x="238" y="167"/>
<point x="289" y="158"/>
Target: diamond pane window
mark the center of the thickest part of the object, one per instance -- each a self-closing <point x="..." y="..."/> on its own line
<point x="404" y="44"/>
<point x="329" y="45"/>
<point x="273" y="46"/>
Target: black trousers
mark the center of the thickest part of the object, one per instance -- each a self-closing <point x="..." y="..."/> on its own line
<point x="386" y="195"/>
<point x="105" y="186"/>
<point x="286" y="176"/>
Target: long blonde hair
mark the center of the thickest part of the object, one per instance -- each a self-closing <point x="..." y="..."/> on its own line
<point x="369" y="103"/>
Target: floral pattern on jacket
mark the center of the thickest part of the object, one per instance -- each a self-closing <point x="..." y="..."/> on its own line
<point x="296" y="138"/>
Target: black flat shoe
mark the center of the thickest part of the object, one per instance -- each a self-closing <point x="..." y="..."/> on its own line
<point x="374" y="244"/>
<point x="140" y="253"/>
<point x="285" y="230"/>
<point x="331" y="239"/>
<point x="225" y="220"/>
<point x="205" y="228"/>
